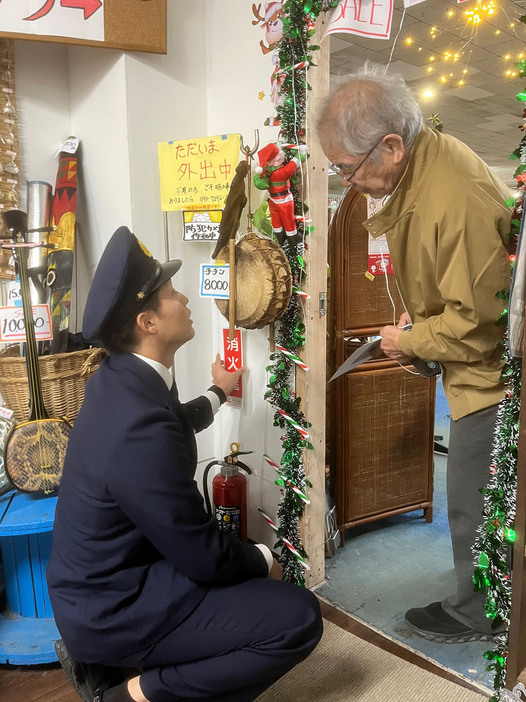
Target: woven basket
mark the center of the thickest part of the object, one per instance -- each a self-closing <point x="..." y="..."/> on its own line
<point x="63" y="375"/>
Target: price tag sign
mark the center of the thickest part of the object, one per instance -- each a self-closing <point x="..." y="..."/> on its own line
<point x="214" y="281"/>
<point x="13" y="327"/>
<point x="14" y="294"/>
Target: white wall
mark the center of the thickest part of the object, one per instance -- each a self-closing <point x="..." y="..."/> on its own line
<point x="42" y="106"/>
<point x="238" y="74"/>
<point x="121" y="105"/>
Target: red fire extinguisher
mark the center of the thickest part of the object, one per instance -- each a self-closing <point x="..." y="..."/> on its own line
<point x="229" y="493"/>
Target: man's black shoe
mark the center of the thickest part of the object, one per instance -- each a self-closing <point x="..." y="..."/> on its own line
<point x="89" y="680"/>
<point x="434" y="624"/>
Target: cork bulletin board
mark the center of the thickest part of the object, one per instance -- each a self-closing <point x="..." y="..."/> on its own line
<point x="129" y="25"/>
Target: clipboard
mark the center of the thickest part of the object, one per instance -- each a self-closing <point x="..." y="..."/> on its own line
<point x="371" y="350"/>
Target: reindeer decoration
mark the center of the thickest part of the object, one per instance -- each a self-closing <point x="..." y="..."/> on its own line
<point x="271" y="22"/>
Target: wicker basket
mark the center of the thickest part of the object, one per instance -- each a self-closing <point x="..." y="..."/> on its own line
<point x="63" y="375"/>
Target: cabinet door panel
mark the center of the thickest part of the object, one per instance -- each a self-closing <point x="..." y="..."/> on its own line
<point x="384" y="460"/>
<point x="359" y="301"/>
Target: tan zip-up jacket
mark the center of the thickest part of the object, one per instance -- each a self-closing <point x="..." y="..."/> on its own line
<point x="445" y="224"/>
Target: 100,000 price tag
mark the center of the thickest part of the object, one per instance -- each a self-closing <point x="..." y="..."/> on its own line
<point x="13" y="327"/>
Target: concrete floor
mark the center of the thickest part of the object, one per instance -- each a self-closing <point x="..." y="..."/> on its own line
<point x="401" y="562"/>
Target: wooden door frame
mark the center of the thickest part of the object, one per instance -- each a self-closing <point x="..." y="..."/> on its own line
<point x="312" y="385"/>
<point x="313" y="388"/>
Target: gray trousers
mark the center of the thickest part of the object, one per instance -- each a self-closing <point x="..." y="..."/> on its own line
<point x="469" y="458"/>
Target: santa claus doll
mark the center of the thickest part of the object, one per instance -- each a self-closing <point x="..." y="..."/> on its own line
<point x="275" y="177"/>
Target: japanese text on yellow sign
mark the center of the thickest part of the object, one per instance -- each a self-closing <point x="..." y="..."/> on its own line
<point x="196" y="173"/>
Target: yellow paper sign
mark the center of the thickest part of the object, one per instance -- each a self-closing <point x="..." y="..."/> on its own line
<point x="196" y="173"/>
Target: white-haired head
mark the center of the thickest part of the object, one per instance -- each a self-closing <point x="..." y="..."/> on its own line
<point x="367" y="107"/>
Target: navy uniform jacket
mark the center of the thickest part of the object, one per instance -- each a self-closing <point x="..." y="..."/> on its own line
<point x="134" y="550"/>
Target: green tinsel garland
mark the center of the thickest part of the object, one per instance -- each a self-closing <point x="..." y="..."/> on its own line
<point x="496" y="534"/>
<point x="293" y="50"/>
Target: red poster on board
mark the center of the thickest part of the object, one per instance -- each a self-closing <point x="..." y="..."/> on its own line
<point x="233" y="359"/>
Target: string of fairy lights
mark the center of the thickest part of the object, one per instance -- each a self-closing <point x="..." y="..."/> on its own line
<point x="473" y="27"/>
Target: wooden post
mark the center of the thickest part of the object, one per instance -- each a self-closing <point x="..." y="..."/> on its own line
<point x="311" y="385"/>
<point x="232" y="305"/>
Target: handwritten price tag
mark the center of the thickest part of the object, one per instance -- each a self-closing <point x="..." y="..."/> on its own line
<point x="214" y="281"/>
<point x="13" y="327"/>
<point x="14" y="294"/>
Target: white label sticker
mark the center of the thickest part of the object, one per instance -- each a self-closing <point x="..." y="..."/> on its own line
<point x="214" y="281"/>
<point x="6" y="413"/>
<point x="14" y="294"/>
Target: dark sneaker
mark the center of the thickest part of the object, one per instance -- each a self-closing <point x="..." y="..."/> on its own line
<point x="75" y="673"/>
<point x="89" y="680"/>
<point x="434" y="624"/>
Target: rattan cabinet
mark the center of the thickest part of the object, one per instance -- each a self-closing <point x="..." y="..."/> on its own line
<point x="382" y="451"/>
<point x="380" y="415"/>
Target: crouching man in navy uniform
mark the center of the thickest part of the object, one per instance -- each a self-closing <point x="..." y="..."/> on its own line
<point x="152" y="601"/>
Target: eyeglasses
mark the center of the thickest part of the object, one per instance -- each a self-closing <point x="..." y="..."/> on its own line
<point x="343" y="172"/>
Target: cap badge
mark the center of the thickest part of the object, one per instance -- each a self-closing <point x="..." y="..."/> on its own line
<point x="144" y="249"/>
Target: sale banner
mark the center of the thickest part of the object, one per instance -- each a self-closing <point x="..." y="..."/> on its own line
<point x="410" y="3"/>
<point x="196" y="173"/>
<point x="233" y="360"/>
<point x="367" y="18"/>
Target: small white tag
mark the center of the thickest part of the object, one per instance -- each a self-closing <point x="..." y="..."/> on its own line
<point x="6" y="413"/>
<point x="69" y="146"/>
<point x="14" y="294"/>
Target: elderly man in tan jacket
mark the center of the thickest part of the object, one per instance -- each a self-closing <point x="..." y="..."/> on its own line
<point x="447" y="227"/>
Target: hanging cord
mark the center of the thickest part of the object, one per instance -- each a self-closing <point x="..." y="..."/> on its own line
<point x="384" y="269"/>
<point x="396" y="39"/>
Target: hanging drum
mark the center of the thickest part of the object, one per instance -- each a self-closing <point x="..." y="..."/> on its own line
<point x="263" y="282"/>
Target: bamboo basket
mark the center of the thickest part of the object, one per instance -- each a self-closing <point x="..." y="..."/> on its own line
<point x="63" y="375"/>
